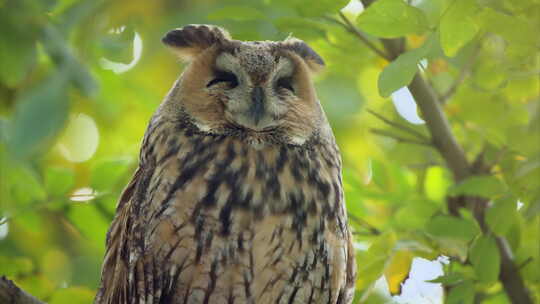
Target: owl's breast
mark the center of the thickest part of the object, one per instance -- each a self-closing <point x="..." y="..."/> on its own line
<point x="233" y="221"/>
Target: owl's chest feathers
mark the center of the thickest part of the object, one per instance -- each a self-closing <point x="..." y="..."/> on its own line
<point x="227" y="182"/>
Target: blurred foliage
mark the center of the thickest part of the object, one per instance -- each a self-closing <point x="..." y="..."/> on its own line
<point x="75" y="101"/>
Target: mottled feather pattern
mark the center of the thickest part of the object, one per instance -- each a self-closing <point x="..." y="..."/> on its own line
<point x="220" y="212"/>
<point x="275" y="213"/>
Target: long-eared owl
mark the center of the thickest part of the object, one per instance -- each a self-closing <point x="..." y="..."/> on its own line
<point x="238" y="195"/>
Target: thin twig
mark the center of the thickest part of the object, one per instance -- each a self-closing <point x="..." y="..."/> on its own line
<point x="463" y="73"/>
<point x="524" y="263"/>
<point x="365" y="224"/>
<point x="398" y="126"/>
<point x="354" y="30"/>
<point x="399" y="138"/>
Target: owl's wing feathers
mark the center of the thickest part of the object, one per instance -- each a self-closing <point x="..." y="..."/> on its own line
<point x="114" y="269"/>
<point x="351" y="271"/>
<point x="126" y="274"/>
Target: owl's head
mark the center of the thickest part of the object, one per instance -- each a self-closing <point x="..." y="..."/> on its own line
<point x="258" y="87"/>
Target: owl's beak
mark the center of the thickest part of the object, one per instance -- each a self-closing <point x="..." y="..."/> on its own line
<point x="256" y="110"/>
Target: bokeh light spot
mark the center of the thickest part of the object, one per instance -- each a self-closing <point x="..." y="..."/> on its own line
<point x="353" y="9"/>
<point x="118" y="67"/>
<point x="80" y="139"/>
<point x="83" y="194"/>
<point x="4" y="228"/>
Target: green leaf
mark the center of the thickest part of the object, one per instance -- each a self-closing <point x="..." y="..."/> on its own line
<point x="58" y="181"/>
<point x="534" y="207"/>
<point x="451" y="227"/>
<point x="374" y="260"/>
<point x="320" y="7"/>
<point x="398" y="270"/>
<point x="433" y="10"/>
<point x="17" y="57"/>
<point x="237" y="13"/>
<point x="501" y="215"/>
<point x="90" y="221"/>
<point x="436" y="183"/>
<point x="118" y="46"/>
<point x="516" y="30"/>
<point x="311" y="8"/>
<point x="16" y="266"/>
<point x="60" y="52"/>
<point x="400" y="72"/>
<point x="415" y="214"/>
<point x="39" y="116"/>
<point x="485" y="186"/>
<point x="300" y="27"/>
<point x="450" y="279"/>
<point x="392" y="19"/>
<point x="107" y="173"/>
<point x="72" y="295"/>
<point x="485" y="258"/>
<point x="500" y="298"/>
<point x="30" y="220"/>
<point x="458" y="26"/>
<point x="18" y="35"/>
<point x="461" y="294"/>
<point x="20" y="184"/>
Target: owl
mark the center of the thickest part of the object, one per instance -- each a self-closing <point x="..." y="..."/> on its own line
<point x="238" y="195"/>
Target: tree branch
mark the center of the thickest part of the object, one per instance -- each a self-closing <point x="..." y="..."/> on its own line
<point x="439" y="128"/>
<point x="11" y="293"/>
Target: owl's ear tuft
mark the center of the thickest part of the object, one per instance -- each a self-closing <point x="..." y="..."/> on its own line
<point x="300" y="48"/>
<point x="190" y="40"/>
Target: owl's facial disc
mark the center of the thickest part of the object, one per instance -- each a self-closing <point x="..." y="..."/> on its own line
<point x="255" y="89"/>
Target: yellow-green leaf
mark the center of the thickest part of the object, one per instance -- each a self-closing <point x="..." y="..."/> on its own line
<point x="72" y="295"/>
<point x="400" y="72"/>
<point x="436" y="183"/>
<point x="448" y="279"/>
<point x="374" y="260"/>
<point x="39" y="116"/>
<point x="461" y="294"/>
<point x="237" y="13"/>
<point x="485" y="186"/>
<point x="501" y="215"/>
<point x="485" y="258"/>
<point x="398" y="270"/>
<point x="457" y="26"/>
<point x="300" y="27"/>
<point x="58" y="181"/>
<point x="451" y="227"/>
<point x="392" y="18"/>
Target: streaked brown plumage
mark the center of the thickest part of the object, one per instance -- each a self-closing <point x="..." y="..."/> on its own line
<point x="238" y="196"/>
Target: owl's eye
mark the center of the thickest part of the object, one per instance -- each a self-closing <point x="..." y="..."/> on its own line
<point x="224" y="76"/>
<point x="285" y="83"/>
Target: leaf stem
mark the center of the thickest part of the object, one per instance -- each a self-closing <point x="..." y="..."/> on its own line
<point x="463" y="73"/>
<point x="347" y="25"/>
<point x="398" y="126"/>
<point x="399" y="138"/>
<point x="361" y="222"/>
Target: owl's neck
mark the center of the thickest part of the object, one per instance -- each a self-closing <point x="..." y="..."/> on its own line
<point x="256" y="139"/>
